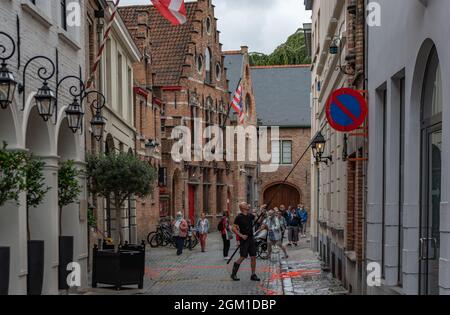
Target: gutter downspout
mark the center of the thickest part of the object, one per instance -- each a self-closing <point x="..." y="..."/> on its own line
<point x="366" y="149"/>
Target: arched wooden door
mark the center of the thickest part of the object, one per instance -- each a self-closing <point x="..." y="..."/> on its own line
<point x="281" y="194"/>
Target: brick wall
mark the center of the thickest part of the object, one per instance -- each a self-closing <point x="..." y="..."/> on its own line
<point x="301" y="176"/>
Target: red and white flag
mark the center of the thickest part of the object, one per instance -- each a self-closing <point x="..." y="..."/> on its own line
<point x="172" y="10"/>
<point x="236" y="103"/>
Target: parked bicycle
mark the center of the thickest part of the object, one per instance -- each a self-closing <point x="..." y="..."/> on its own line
<point x="162" y="237"/>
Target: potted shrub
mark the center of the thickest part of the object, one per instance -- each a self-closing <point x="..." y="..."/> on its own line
<point x="68" y="192"/>
<point x="36" y="190"/>
<point x="119" y="176"/>
<point x="12" y="183"/>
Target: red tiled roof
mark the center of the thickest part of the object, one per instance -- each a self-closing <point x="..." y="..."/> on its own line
<point x="169" y="43"/>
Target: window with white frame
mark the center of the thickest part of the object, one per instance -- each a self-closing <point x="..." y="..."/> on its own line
<point x="282" y="152"/>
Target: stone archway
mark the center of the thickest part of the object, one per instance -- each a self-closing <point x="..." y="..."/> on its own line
<point x="43" y="220"/>
<point x="278" y="194"/>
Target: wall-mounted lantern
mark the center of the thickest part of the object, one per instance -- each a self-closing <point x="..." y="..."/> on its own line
<point x="7" y="81"/>
<point x="318" y="148"/>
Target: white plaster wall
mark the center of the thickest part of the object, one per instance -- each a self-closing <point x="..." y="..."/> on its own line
<point x="399" y="44"/>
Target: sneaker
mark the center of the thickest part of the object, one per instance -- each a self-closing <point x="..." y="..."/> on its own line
<point x="226" y="258"/>
<point x="255" y="278"/>
<point x="289" y="245"/>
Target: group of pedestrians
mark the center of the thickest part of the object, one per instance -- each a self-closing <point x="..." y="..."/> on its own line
<point x="275" y="222"/>
<point x="183" y="229"/>
<point x="296" y="220"/>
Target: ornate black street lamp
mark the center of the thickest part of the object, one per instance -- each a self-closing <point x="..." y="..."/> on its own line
<point x="45" y="102"/>
<point x="98" y="121"/>
<point x="45" y="98"/>
<point x="75" y="114"/>
<point x="7" y="82"/>
<point x="318" y="147"/>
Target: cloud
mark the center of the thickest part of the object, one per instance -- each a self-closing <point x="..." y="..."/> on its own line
<point x="260" y="24"/>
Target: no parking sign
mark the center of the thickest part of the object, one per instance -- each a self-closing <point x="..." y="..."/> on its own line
<point x="346" y="110"/>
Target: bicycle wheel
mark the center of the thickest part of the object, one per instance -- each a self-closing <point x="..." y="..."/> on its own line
<point x="262" y="251"/>
<point x="195" y="242"/>
<point x="149" y="238"/>
<point x="155" y="241"/>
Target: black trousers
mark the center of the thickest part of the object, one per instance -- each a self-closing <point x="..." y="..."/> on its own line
<point x="179" y="242"/>
<point x="226" y="245"/>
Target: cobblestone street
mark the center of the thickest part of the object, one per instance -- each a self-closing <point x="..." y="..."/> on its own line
<point x="196" y="273"/>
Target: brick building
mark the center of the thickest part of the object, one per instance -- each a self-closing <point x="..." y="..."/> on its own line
<point x="147" y="115"/>
<point x="189" y="84"/>
<point x="282" y="97"/>
<point x="246" y="171"/>
<point x="338" y="202"/>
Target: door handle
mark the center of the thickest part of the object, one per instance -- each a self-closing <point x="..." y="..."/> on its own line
<point x="421" y="249"/>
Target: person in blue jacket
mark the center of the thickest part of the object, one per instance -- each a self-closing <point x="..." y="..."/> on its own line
<point x="303" y="214"/>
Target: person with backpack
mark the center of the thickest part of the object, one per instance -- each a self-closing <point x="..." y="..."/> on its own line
<point x="224" y="228"/>
<point x="203" y="230"/>
<point x="180" y="230"/>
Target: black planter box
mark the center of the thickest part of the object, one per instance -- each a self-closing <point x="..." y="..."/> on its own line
<point x="35" y="277"/>
<point x="65" y="258"/>
<point x="123" y="268"/>
<point x="4" y="270"/>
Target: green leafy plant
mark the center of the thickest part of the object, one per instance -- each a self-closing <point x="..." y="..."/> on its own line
<point x="34" y="186"/>
<point x="292" y="52"/>
<point x="12" y="174"/>
<point x="119" y="176"/>
<point x="68" y="187"/>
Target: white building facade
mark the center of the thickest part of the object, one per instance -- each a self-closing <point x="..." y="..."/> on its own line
<point x="408" y="221"/>
<point x="337" y="182"/>
<point x="115" y="76"/>
<point x="41" y="28"/>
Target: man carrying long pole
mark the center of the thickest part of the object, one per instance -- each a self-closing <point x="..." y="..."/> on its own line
<point x="243" y="227"/>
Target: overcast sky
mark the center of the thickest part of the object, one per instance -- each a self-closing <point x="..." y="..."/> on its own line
<point x="260" y="24"/>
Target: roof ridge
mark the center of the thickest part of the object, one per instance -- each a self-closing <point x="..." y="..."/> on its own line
<point x="232" y="52"/>
<point x="281" y="66"/>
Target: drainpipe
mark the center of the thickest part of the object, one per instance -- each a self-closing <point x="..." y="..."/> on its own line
<point x="366" y="152"/>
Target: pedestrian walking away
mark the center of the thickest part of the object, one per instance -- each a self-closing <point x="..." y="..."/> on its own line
<point x="274" y="227"/>
<point x="304" y="220"/>
<point x="180" y="231"/>
<point x="243" y="227"/>
<point x="203" y="230"/>
<point x="224" y="228"/>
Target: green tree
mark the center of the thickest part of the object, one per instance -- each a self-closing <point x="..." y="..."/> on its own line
<point x="292" y="52"/>
<point x="34" y="186"/>
<point x="68" y="187"/>
<point x="119" y="176"/>
<point x="12" y="174"/>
